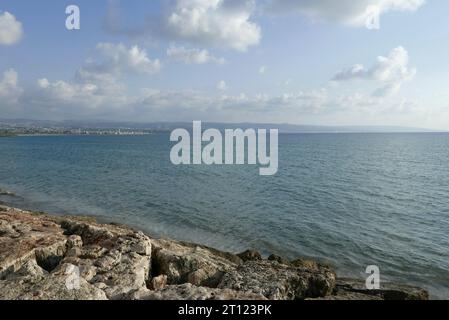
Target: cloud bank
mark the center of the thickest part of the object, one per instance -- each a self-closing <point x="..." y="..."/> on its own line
<point x="98" y="90"/>
<point x="349" y="12"/>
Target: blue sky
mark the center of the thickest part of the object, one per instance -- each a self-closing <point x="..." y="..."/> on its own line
<point x="305" y="62"/>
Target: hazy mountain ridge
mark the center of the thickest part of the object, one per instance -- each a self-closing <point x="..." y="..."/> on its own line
<point x="166" y="126"/>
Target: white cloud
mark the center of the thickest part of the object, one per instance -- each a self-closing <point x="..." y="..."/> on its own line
<point x="263" y="70"/>
<point x="350" y="12"/>
<point x="9" y="88"/>
<point x="77" y="100"/>
<point x="117" y="58"/>
<point x="222" y="86"/>
<point x="98" y="83"/>
<point x="192" y="56"/>
<point x="86" y="92"/>
<point x="64" y="91"/>
<point x="10" y="29"/>
<point x="389" y="72"/>
<point x="223" y="23"/>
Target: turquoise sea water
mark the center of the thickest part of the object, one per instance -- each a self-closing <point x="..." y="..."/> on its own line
<point x="349" y="199"/>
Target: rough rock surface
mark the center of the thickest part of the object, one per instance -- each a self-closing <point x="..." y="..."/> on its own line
<point x="278" y="259"/>
<point x="46" y="257"/>
<point x="250" y="255"/>
<point x="279" y="281"/>
<point x="43" y="257"/>
<point x="189" y="263"/>
<point x="188" y="291"/>
<point x="388" y="291"/>
<point x="6" y="193"/>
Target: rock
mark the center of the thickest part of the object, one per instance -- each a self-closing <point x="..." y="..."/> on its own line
<point x="388" y="291"/>
<point x="74" y="252"/>
<point x="100" y="285"/>
<point x="30" y="269"/>
<point x="280" y="282"/>
<point x="198" y="265"/>
<point x="278" y="259"/>
<point x="109" y="260"/>
<point x="63" y="258"/>
<point x="158" y="283"/>
<point x="90" y="234"/>
<point x="35" y="250"/>
<point x="345" y="296"/>
<point x="56" y="286"/>
<point x="6" y="193"/>
<point x="50" y="257"/>
<point x="307" y="264"/>
<point x="24" y="237"/>
<point x="92" y="252"/>
<point x="250" y="255"/>
<point x="137" y="242"/>
<point x="7" y="230"/>
<point x="190" y="292"/>
<point x="87" y="271"/>
<point x="74" y="241"/>
<point x="128" y="274"/>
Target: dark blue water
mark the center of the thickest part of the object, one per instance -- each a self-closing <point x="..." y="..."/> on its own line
<point x="350" y="199"/>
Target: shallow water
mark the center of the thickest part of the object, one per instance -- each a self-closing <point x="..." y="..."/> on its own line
<point x="350" y="199"/>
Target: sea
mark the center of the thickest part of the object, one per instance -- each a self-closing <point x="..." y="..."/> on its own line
<point x="351" y="200"/>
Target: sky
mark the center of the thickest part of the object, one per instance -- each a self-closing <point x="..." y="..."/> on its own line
<point x="315" y="62"/>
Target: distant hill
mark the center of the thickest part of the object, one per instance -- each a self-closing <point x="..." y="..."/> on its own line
<point x="167" y="126"/>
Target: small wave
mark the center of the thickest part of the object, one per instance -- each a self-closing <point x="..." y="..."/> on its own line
<point x="4" y="192"/>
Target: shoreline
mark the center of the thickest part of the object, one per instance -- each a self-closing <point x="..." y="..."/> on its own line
<point x="115" y="261"/>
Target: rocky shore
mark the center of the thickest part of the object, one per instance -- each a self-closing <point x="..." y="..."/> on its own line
<point x="45" y="257"/>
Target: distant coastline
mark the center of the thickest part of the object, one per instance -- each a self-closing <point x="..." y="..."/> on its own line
<point x="7" y="135"/>
<point x="71" y="127"/>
